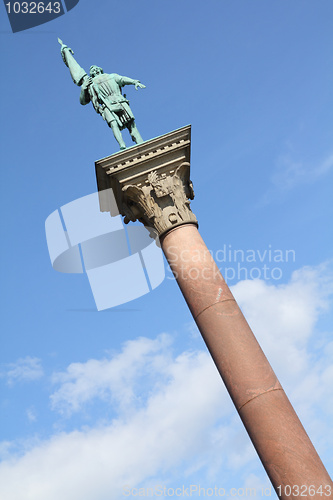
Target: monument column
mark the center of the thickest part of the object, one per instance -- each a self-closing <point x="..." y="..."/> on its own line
<point x="151" y="183"/>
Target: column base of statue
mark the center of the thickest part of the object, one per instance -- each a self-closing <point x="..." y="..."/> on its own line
<point x="151" y="183"/>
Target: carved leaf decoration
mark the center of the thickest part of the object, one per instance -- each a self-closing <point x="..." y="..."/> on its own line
<point x="153" y="178"/>
<point x="143" y="203"/>
<point x="183" y="173"/>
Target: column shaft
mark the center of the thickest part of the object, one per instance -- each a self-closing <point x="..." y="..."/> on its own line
<point x="277" y="434"/>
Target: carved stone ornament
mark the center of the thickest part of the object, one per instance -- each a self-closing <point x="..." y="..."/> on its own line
<point x="151" y="183"/>
<point x="163" y="202"/>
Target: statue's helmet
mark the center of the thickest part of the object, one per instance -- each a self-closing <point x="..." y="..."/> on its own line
<point x="95" y="70"/>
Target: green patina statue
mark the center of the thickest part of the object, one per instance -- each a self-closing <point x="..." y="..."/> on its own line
<point x="104" y="91"/>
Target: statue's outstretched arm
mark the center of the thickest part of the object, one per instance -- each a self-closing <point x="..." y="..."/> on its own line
<point x="124" y="80"/>
<point x="77" y="73"/>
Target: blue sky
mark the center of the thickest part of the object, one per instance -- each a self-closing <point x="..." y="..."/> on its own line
<point x="93" y="401"/>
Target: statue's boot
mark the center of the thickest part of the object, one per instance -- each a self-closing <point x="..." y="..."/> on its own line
<point x="117" y="135"/>
<point x="135" y="134"/>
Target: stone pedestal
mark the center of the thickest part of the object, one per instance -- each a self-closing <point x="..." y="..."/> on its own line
<point x="151" y="183"/>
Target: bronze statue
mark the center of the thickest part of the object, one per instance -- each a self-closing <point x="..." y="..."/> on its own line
<point x="104" y="91"/>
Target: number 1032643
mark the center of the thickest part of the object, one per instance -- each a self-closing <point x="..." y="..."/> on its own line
<point x="33" y="7"/>
<point x="304" y="491"/>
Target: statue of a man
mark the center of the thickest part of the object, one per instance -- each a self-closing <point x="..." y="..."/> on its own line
<point x="104" y="91"/>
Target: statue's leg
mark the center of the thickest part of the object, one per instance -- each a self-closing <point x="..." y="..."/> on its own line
<point x="135" y="134"/>
<point x="117" y="134"/>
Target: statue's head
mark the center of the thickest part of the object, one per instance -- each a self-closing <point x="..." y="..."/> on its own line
<point x="95" y="70"/>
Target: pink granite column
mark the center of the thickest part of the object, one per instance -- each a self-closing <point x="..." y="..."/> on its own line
<point x="282" y="444"/>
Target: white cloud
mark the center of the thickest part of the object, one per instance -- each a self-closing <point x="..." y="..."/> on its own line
<point x="324" y="167"/>
<point x="109" y="379"/>
<point x="290" y="310"/>
<point x="23" y="370"/>
<point x="31" y="414"/>
<point x="289" y="173"/>
<point x="174" y="419"/>
<point x="283" y="316"/>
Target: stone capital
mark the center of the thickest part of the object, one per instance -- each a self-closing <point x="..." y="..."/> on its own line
<point x="150" y="182"/>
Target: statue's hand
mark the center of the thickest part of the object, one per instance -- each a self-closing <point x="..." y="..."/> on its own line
<point x="86" y="83"/>
<point x="139" y="85"/>
<point x="63" y="53"/>
<point x="63" y="47"/>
